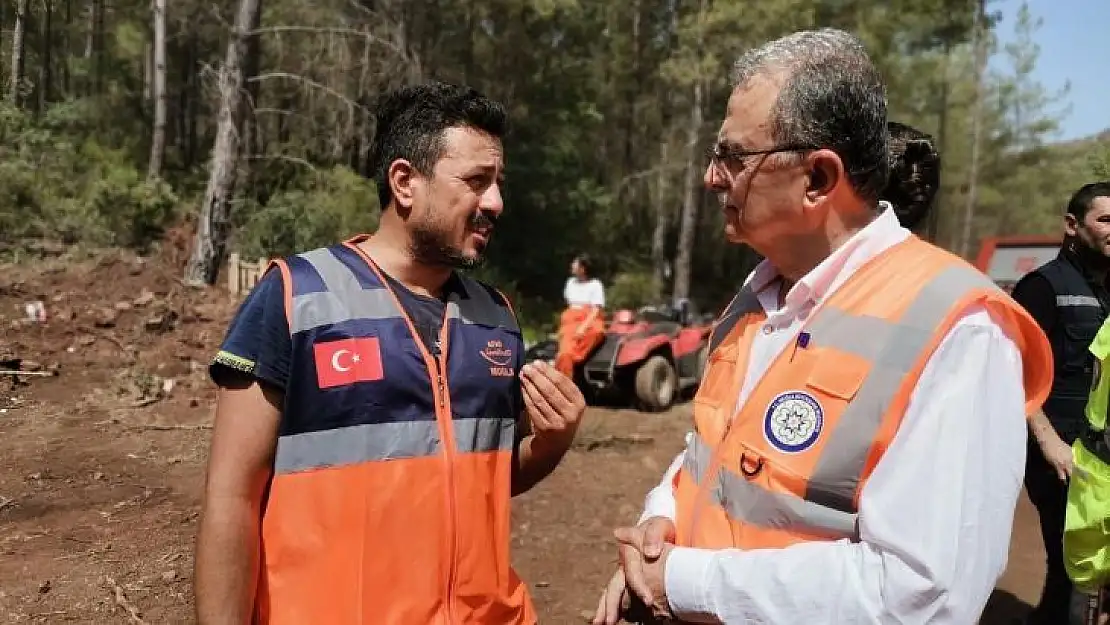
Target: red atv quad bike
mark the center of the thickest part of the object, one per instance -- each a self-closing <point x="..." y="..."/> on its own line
<point x="648" y="358"/>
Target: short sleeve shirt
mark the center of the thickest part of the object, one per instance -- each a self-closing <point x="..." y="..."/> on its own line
<point x="258" y="344"/>
<point x="590" y="292"/>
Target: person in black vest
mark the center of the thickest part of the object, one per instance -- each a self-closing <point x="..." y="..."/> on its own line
<point x="1068" y="297"/>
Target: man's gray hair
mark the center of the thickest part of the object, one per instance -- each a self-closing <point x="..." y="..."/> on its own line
<point x="832" y="97"/>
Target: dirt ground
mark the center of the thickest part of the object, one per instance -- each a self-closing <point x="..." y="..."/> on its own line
<point x="101" y="465"/>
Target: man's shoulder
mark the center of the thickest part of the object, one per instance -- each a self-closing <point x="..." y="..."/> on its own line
<point x="481" y="287"/>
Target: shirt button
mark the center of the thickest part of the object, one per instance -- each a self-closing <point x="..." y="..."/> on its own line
<point x="767" y="329"/>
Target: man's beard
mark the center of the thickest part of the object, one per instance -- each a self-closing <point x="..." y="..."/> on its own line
<point x="1089" y="256"/>
<point x="430" y="247"/>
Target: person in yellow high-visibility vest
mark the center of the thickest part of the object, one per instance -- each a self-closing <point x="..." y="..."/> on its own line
<point x="1087" y="520"/>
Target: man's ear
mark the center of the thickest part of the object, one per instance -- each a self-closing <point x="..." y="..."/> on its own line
<point x="1071" y="225"/>
<point x="826" y="171"/>
<point x="401" y="176"/>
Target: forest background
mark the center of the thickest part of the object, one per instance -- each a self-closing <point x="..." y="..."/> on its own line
<point x="198" y="129"/>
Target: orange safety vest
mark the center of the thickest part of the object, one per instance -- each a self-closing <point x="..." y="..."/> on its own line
<point x="790" y="465"/>
<point x="390" y="499"/>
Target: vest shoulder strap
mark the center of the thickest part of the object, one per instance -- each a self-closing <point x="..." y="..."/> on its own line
<point x="325" y="289"/>
<point x="743" y="303"/>
<point x="1068" y="283"/>
<point x="485" y="305"/>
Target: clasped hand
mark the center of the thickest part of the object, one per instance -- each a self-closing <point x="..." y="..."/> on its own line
<point x="643" y="552"/>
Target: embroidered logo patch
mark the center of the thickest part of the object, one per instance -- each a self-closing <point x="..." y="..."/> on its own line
<point x="500" y="358"/>
<point x="793" y="421"/>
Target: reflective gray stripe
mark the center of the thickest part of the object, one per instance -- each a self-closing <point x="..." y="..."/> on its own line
<point x="840" y="467"/>
<point x="387" y="441"/>
<point x="345" y="298"/>
<point x="832" y="327"/>
<point x="697" y="457"/>
<point x="487" y="434"/>
<point x="745" y="302"/>
<point x="747" y="502"/>
<point x="355" y="444"/>
<point x="479" y="307"/>
<point x="1077" y="300"/>
<point x="893" y="349"/>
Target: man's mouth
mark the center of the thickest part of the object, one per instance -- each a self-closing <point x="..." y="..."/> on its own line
<point x="481" y="224"/>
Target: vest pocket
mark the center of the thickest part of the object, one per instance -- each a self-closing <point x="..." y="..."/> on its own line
<point x="837" y="374"/>
<point x="1077" y="358"/>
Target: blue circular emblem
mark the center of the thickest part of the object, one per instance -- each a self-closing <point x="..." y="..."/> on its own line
<point x="793" y="421"/>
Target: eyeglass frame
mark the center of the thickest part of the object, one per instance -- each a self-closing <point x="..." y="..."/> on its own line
<point x="715" y="158"/>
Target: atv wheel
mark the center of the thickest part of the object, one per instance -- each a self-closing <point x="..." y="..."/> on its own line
<point x="656" y="383"/>
<point x="703" y="361"/>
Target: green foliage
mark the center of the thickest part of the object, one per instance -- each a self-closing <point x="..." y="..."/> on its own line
<point x="1100" y="163"/>
<point x="631" y="289"/>
<point x="599" y="94"/>
<point x="335" y="204"/>
<point x="54" y="184"/>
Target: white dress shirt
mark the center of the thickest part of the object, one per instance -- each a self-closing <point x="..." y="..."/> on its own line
<point x="934" y="517"/>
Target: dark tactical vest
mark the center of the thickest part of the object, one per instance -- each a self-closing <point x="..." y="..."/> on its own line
<point x="1081" y="308"/>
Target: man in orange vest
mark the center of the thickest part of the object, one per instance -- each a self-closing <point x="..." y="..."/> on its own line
<point x="859" y="434"/>
<point x="366" y="439"/>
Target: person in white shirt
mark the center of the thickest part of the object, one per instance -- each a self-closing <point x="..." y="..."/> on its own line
<point x="582" y="324"/>
<point x="799" y="166"/>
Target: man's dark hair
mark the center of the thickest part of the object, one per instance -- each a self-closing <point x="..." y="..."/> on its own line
<point x="410" y="123"/>
<point x="914" y="174"/>
<point x="833" y="97"/>
<point x="1081" y="202"/>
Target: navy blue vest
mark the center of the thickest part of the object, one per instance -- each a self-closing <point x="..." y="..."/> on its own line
<point x="361" y="387"/>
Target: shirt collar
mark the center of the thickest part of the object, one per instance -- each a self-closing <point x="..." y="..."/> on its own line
<point x="882" y="233"/>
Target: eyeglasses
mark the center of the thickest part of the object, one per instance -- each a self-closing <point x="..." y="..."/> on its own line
<point x="723" y="154"/>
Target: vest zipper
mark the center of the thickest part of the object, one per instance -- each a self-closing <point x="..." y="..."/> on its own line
<point x="449" y="456"/>
<point x="441" y="399"/>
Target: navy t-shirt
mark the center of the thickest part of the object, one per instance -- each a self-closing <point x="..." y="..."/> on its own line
<point x="258" y="342"/>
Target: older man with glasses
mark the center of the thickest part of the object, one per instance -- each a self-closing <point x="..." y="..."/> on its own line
<point x="859" y="435"/>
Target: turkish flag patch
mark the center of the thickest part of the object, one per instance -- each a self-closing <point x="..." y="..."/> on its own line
<point x="347" y="361"/>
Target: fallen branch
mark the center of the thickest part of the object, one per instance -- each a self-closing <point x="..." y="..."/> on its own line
<point x="6" y="501"/>
<point x="612" y="440"/>
<point x="44" y="374"/>
<point x="198" y="426"/>
<point x="121" y="601"/>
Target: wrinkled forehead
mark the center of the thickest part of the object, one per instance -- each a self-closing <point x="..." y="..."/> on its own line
<point x="470" y="147"/>
<point x="747" y="123"/>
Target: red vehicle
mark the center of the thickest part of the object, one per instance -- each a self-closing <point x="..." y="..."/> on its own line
<point x="1006" y="259"/>
<point x="650" y="356"/>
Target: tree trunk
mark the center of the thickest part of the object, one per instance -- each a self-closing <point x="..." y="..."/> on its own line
<point x="662" y="226"/>
<point x="932" y="220"/>
<point x="17" y="52"/>
<point x="158" y="136"/>
<point x="691" y="197"/>
<point x="250" y="143"/>
<point x="210" y="243"/>
<point x="46" y="60"/>
<point x="976" y="126"/>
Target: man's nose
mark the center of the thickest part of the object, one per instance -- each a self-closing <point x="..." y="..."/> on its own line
<point x="491" y="201"/>
<point x="712" y="179"/>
